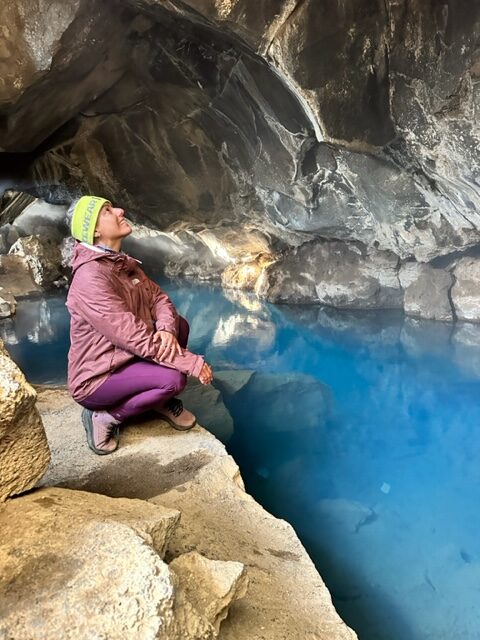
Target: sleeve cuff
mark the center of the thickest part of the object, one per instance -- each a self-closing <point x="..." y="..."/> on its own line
<point x="160" y="326"/>
<point x="198" y="366"/>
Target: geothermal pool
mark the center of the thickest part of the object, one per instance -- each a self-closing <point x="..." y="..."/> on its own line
<point x="361" y="429"/>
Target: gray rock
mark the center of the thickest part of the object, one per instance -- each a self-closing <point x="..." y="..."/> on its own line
<point x="428" y="294"/>
<point x="42" y="220"/>
<point x="296" y="401"/>
<point x="8" y="236"/>
<point x="466" y="290"/>
<point x="338" y="274"/>
<point x="408" y="273"/>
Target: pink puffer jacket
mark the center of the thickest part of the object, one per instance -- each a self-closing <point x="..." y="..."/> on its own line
<point x="115" y="310"/>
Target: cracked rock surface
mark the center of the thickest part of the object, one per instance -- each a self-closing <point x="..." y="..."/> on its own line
<point x="299" y="119"/>
<point x="191" y="472"/>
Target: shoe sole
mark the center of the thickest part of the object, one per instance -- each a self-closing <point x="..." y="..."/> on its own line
<point x="88" y="425"/>
<point x="174" y="425"/>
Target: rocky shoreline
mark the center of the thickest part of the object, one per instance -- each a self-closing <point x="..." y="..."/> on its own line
<point x="157" y="540"/>
<point x="331" y="273"/>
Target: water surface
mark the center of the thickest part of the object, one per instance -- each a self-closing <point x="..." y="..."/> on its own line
<point x="361" y="429"/>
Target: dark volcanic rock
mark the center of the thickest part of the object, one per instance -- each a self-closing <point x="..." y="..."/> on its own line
<point x="350" y="121"/>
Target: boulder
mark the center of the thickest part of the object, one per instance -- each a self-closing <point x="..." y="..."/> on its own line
<point x="24" y="451"/>
<point x="338" y="274"/>
<point x="90" y="566"/>
<point x="428" y="295"/>
<point x="41" y="219"/>
<point x="208" y="587"/>
<point x="466" y="289"/>
<point x="298" y="404"/>
<point x="16" y="278"/>
<point x="42" y="256"/>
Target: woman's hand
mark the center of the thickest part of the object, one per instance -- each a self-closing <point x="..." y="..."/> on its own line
<point x="206" y="374"/>
<point x="169" y="346"/>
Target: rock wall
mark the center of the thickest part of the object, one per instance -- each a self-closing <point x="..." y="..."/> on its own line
<point x="290" y="119"/>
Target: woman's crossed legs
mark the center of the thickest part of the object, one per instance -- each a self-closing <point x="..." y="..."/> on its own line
<point x="134" y="388"/>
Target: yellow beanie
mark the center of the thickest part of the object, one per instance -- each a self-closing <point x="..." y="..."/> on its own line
<point x="85" y="216"/>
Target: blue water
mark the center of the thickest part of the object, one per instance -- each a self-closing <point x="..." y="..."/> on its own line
<point x="361" y="429"/>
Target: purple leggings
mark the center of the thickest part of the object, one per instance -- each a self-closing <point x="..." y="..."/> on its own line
<point x="139" y="385"/>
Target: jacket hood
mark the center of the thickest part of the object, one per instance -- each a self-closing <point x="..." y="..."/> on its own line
<point x="83" y="254"/>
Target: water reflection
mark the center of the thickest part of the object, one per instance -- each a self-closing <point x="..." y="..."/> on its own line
<point x="37" y="338"/>
<point x="361" y="429"/>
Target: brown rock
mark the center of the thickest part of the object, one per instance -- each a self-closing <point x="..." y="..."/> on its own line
<point x="24" y="452"/>
<point x="42" y="256"/>
<point x="16" y="278"/>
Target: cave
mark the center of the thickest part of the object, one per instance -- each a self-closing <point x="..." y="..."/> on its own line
<point x="305" y="176"/>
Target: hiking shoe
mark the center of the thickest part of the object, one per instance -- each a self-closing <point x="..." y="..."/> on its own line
<point x="176" y="416"/>
<point x="102" y="431"/>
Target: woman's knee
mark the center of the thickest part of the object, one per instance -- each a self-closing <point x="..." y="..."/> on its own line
<point x="176" y="380"/>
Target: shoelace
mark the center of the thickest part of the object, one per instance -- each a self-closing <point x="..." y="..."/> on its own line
<point x="111" y="431"/>
<point x="175" y="406"/>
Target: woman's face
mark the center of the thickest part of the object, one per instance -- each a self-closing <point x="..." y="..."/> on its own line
<point x="111" y="224"/>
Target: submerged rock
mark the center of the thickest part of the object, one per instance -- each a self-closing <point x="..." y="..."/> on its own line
<point x="207" y="404"/>
<point x="24" y="451"/>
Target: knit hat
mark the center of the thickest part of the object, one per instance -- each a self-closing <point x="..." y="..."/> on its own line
<point x="84" y="218"/>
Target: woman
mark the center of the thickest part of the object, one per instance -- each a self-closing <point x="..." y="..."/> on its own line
<point x="128" y="344"/>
